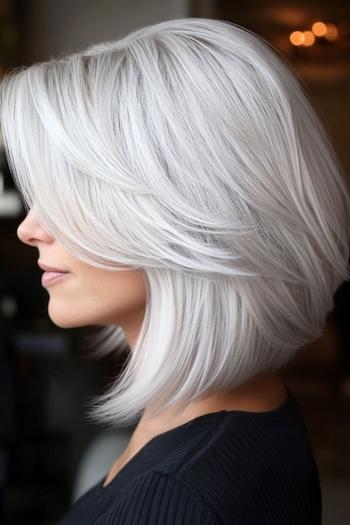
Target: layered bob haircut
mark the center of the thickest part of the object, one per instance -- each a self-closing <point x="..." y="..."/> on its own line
<point x="186" y="149"/>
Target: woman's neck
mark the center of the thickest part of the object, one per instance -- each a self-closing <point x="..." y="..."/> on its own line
<point x="259" y="394"/>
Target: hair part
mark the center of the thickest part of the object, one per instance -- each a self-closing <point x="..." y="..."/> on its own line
<point x="187" y="149"/>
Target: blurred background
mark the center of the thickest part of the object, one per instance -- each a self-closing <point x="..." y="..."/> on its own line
<point x="49" y="452"/>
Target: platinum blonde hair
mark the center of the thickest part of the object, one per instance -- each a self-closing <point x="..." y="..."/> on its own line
<point x="186" y="149"/>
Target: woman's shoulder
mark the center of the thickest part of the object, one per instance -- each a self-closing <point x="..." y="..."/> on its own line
<point x="226" y="467"/>
<point x="246" y="468"/>
<point x="249" y="465"/>
<point x="237" y="439"/>
<point x="257" y="464"/>
<point x="159" y="498"/>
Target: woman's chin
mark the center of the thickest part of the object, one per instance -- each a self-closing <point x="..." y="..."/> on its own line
<point x="64" y="323"/>
<point x="63" y="319"/>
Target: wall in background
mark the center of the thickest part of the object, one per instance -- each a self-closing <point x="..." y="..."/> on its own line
<point x="49" y="27"/>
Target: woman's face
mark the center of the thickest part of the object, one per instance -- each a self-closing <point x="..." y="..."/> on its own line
<point x="86" y="295"/>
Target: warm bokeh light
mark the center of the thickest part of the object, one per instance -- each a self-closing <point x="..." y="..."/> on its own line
<point x="297" y="38"/>
<point x="331" y="33"/>
<point x="319" y="28"/>
<point x="309" y="38"/>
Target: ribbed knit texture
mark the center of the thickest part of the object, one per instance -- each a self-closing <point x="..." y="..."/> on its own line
<point x="227" y="467"/>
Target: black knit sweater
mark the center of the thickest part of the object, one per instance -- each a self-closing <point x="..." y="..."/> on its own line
<point x="227" y="467"/>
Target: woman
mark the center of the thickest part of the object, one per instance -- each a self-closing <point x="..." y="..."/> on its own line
<point x="181" y="185"/>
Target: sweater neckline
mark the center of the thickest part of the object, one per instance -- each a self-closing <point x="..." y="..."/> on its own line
<point x="290" y="399"/>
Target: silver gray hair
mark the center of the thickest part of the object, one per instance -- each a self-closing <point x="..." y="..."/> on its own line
<point x="189" y="150"/>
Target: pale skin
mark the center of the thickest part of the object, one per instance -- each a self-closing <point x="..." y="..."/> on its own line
<point x="91" y="295"/>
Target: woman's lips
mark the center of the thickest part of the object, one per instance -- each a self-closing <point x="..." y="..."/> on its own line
<point x="49" y="278"/>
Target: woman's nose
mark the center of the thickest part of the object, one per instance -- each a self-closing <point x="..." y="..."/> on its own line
<point x="31" y="232"/>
